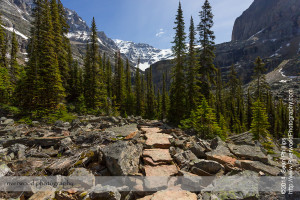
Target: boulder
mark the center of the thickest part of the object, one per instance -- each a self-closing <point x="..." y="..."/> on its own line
<point x="208" y="166"/>
<point x="7" y="122"/>
<point x="198" y="150"/>
<point x="242" y="139"/>
<point x="61" y="165"/>
<point x="247" y="152"/>
<point x="87" y="178"/>
<point x="123" y="157"/>
<point x="104" y="193"/>
<point x="185" y="157"/>
<point x="124" y="130"/>
<point x="4" y="170"/>
<point x="43" y="195"/>
<point x="18" y="150"/>
<point x="258" y="166"/>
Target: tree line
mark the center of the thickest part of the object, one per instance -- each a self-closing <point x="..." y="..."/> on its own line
<point x="199" y="99"/>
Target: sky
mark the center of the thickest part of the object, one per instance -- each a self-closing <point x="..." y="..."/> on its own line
<point x="152" y="21"/>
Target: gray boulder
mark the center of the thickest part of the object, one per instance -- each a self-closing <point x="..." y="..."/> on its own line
<point x="209" y="166"/>
<point x="104" y="193"/>
<point x="123" y="157"/>
<point x="248" y="152"/>
<point x="7" y="122"/>
<point x="4" y="170"/>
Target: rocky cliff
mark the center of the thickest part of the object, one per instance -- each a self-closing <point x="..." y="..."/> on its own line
<point x="269" y="29"/>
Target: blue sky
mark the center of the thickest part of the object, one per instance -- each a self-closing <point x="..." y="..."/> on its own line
<point x="152" y="21"/>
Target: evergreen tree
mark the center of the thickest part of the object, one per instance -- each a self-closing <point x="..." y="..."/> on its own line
<point x="177" y="93"/>
<point x="164" y="101"/>
<point x="27" y="92"/>
<point x="192" y="65"/>
<point x="260" y="124"/>
<point x="249" y="110"/>
<point x="3" y="46"/>
<point x="14" y="66"/>
<point x="138" y="92"/>
<point x="120" y="85"/>
<point x="50" y="90"/>
<point x="220" y="107"/>
<point x="158" y="105"/>
<point x="207" y="68"/>
<point x="261" y="88"/>
<point x="95" y="89"/>
<point x="4" y="75"/>
<point x="109" y="79"/>
<point x="203" y="121"/>
<point x="129" y="94"/>
<point x="61" y="46"/>
<point x="150" y="96"/>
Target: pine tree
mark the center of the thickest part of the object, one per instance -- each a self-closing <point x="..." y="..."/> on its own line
<point x="120" y="85"/>
<point x="220" y="107"/>
<point x="164" y="101"/>
<point x="95" y="88"/>
<point x="207" y="68"/>
<point x="260" y="124"/>
<point x="4" y="75"/>
<point x="203" y="121"/>
<point x="27" y="92"/>
<point x="3" y="46"/>
<point x="138" y="92"/>
<point x="61" y="46"/>
<point x="249" y="110"/>
<point x="158" y="105"/>
<point x="150" y="95"/>
<point x="192" y="65"/>
<point x="109" y="79"/>
<point x="50" y="89"/>
<point x="14" y="66"/>
<point x="261" y="88"/>
<point x="129" y="94"/>
<point x="177" y="93"/>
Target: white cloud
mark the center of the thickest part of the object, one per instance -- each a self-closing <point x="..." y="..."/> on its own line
<point x="160" y="33"/>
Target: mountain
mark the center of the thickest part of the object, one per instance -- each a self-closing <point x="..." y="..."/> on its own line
<point x="16" y="16"/>
<point x="269" y="29"/>
<point x="148" y="55"/>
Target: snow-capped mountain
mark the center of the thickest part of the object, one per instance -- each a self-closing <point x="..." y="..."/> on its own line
<point x="148" y="55"/>
<point x="16" y="16"/>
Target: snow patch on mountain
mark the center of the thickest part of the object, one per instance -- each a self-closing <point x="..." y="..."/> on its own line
<point x="148" y="55"/>
<point x="11" y="29"/>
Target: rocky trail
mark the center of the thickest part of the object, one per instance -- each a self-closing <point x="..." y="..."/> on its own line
<point x="94" y="147"/>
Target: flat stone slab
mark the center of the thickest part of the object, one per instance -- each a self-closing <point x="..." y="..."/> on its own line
<point x="258" y="166"/>
<point x="171" y="195"/>
<point x="248" y="152"/>
<point x="150" y="130"/>
<point x="158" y="140"/>
<point x="162" y="170"/>
<point x="158" y="155"/>
<point x="124" y="130"/>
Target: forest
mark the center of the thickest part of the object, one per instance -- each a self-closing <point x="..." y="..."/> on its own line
<point x="201" y="99"/>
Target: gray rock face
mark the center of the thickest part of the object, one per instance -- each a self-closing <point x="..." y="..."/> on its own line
<point x="271" y="16"/>
<point x="122" y="157"/>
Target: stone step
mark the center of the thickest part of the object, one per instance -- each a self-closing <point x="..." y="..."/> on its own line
<point x="161" y="170"/>
<point x="171" y="195"/>
<point x="158" y="140"/>
<point x="157" y="157"/>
